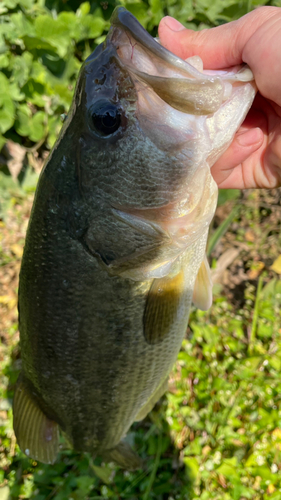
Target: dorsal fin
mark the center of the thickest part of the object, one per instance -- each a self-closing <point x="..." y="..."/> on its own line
<point x="36" y="434"/>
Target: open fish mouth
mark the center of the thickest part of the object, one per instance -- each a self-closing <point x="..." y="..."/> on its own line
<point x="177" y="82"/>
<point x="191" y="115"/>
<point x="179" y="118"/>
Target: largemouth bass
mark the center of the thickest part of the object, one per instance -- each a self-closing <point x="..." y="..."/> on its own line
<point x="115" y="250"/>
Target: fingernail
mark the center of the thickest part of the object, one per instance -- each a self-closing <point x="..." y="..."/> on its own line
<point x="173" y="24"/>
<point x="250" y="137"/>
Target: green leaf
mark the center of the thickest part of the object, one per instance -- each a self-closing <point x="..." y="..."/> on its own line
<point x="194" y="448"/>
<point x="34" y="92"/>
<point x="7" y="108"/>
<point x="64" y="93"/>
<point x="10" y="4"/>
<point x="26" y="4"/>
<point x="30" y="126"/>
<point x="21" y="66"/>
<point x="182" y="10"/>
<point x="103" y="473"/>
<point x="192" y="467"/>
<point x="54" y="126"/>
<point x="4" y="60"/>
<point x="234" y="11"/>
<point x="88" y="27"/>
<point x="139" y="10"/>
<point x="56" y="32"/>
<point x="37" y="126"/>
<point x="20" y="26"/>
<point x="227" y="195"/>
<point x="23" y="120"/>
<point x="85" y="483"/>
<point x="227" y="470"/>
<point x="34" y="43"/>
<point x="7" y="113"/>
<point x="275" y="362"/>
<point x="84" y="9"/>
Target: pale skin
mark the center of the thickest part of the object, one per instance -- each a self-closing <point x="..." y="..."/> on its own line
<point x="253" y="160"/>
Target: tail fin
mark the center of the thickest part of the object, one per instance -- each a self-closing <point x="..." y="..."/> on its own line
<point x="36" y="434"/>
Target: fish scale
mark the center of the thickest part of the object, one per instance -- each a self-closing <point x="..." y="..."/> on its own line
<point x="115" y="249"/>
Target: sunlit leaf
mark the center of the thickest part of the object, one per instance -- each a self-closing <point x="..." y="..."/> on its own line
<point x="4" y="493"/>
<point x="103" y="473"/>
<point x="7" y="112"/>
<point x="276" y="266"/>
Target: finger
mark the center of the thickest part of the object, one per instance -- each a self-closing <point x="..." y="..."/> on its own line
<point x="272" y="158"/>
<point x="227" y="171"/>
<point x="253" y="173"/>
<point x="259" y="170"/>
<point x="219" y="47"/>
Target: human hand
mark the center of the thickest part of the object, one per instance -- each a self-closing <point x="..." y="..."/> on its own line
<point x="254" y="157"/>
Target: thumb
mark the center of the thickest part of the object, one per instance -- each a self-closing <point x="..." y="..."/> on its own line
<point x="208" y="44"/>
<point x="219" y="47"/>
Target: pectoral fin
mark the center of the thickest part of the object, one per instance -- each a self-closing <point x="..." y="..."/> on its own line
<point x="162" y="307"/>
<point x="124" y="456"/>
<point x="36" y="434"/>
<point x="202" y="292"/>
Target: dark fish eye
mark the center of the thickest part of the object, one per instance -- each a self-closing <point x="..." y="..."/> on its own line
<point x="105" y="118"/>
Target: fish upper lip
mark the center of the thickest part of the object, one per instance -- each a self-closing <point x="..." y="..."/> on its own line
<point x="122" y="18"/>
<point x="175" y="81"/>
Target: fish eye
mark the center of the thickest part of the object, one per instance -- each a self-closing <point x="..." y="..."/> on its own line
<point x="105" y="118"/>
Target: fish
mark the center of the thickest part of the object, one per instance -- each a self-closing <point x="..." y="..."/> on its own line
<point x="115" y="251"/>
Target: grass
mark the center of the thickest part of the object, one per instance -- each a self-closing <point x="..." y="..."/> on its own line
<point x="217" y="432"/>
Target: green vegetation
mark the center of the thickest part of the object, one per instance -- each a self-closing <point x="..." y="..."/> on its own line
<point x="217" y="432"/>
<point x="42" y="45"/>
